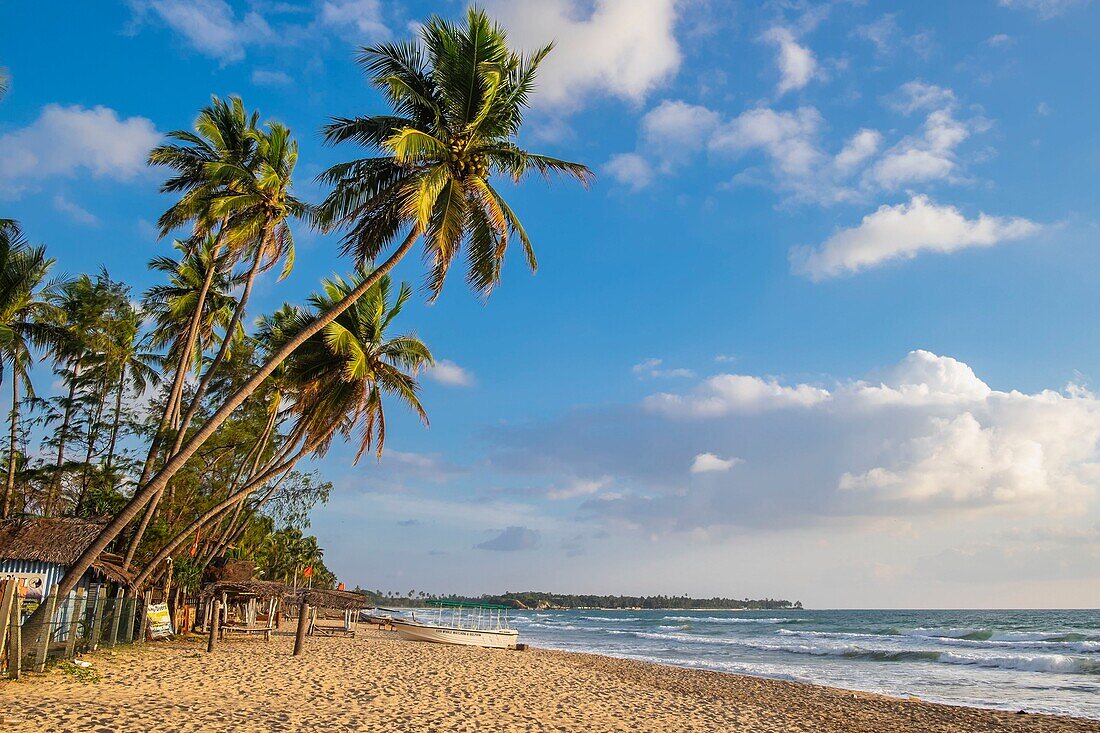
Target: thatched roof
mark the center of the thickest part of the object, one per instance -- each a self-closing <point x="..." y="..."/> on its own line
<point x="59" y="540"/>
<point x="336" y="599"/>
<point x="265" y="589"/>
<point x="260" y="588"/>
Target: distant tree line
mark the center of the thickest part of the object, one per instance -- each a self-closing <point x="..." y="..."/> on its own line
<point x="536" y="599"/>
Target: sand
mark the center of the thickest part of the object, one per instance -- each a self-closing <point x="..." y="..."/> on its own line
<point x="376" y="682"/>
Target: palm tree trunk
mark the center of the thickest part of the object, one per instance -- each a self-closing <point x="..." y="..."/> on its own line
<point x="9" y="486"/>
<point x="93" y="434"/>
<point x="118" y="419"/>
<point x="223" y="350"/>
<point x="171" y="407"/>
<point x="176" y="462"/>
<point x="55" y="483"/>
<point x="240" y="496"/>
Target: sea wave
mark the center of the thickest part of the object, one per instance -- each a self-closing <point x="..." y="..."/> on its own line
<point x="732" y="620"/>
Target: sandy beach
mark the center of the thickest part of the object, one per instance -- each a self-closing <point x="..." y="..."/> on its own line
<point x="378" y="682"/>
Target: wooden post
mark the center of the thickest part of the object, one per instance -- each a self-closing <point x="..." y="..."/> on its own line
<point x="97" y="619"/>
<point x="15" y="639"/>
<point x="74" y="622"/>
<point x="7" y="594"/>
<point x="214" y="619"/>
<point x="303" y="621"/>
<point x="127" y="632"/>
<point x="116" y="617"/>
<point x="144" y="623"/>
<point x="42" y="648"/>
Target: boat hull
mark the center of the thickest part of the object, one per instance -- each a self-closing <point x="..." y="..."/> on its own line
<point x="502" y="639"/>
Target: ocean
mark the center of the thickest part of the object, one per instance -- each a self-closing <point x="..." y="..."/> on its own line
<point x="1039" y="661"/>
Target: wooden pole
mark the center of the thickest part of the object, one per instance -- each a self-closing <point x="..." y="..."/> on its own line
<point x="7" y="593"/>
<point x="43" y="647"/>
<point x="15" y="639"/>
<point x="215" y="617"/>
<point x="144" y="623"/>
<point x="303" y="621"/>
<point x="74" y="622"/>
<point x="97" y="619"/>
<point x="116" y="617"/>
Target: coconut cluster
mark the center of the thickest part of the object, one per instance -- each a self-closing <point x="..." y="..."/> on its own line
<point x="464" y="164"/>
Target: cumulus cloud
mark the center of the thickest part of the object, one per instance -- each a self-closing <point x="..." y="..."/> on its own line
<point x="210" y="26"/>
<point x="926" y="438"/>
<point x="710" y="463"/>
<point x="630" y="169"/>
<point x="66" y="140"/>
<point x="858" y="149"/>
<point x="1045" y="9"/>
<point x="904" y="231"/>
<point x="448" y="373"/>
<point x="655" y="368"/>
<point x="579" y="487"/>
<point x="886" y="36"/>
<point x="796" y="62"/>
<point x="74" y="211"/>
<point x="916" y="95"/>
<point x="726" y="394"/>
<point x="788" y="138"/>
<point x="624" y="48"/>
<point x="359" y="20"/>
<point x="266" y="78"/>
<point x="513" y="539"/>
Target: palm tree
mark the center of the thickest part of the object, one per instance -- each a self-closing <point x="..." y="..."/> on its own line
<point x="337" y="380"/>
<point x="25" y="315"/>
<point x="255" y="202"/>
<point x="133" y="366"/>
<point x="5" y="80"/>
<point x="458" y="105"/>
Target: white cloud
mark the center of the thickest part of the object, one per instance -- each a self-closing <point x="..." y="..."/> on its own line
<point x="210" y="26"/>
<point x="654" y="368"/>
<point x="999" y="39"/>
<point x="710" y="463"/>
<point x="1046" y="9"/>
<point x="924" y="157"/>
<point x="624" y="48"/>
<point x="917" y="95"/>
<point x="674" y="128"/>
<point x="580" y="487"/>
<point x="65" y="140"/>
<point x="796" y="62"/>
<point x="266" y="78"/>
<point x="447" y="372"/>
<point x="360" y="20"/>
<point x="786" y="137"/>
<point x="887" y="37"/>
<point x="923" y="378"/>
<point x="859" y="148"/>
<point x="902" y="232"/>
<point x="630" y="169"/>
<point x="76" y="212"/>
<point x="727" y="394"/>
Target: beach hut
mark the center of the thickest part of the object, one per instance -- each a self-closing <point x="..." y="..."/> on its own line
<point x="244" y="606"/>
<point x="327" y="603"/>
<point x="40" y="550"/>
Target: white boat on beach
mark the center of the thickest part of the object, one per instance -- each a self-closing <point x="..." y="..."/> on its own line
<point x="455" y="622"/>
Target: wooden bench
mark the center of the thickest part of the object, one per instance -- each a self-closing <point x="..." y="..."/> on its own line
<point x="265" y="630"/>
<point x="331" y="630"/>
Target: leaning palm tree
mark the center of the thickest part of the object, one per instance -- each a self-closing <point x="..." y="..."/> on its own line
<point x="25" y="317"/>
<point x="338" y="379"/>
<point x="457" y="100"/>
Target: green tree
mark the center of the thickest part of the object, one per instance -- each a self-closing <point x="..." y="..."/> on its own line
<point x="26" y="314"/>
<point x="458" y="100"/>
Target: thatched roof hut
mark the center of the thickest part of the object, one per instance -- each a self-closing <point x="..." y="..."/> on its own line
<point x="55" y="541"/>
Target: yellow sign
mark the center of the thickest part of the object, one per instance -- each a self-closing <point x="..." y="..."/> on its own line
<point x="160" y="622"/>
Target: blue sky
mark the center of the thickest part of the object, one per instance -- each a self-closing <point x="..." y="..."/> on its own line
<point x="820" y="330"/>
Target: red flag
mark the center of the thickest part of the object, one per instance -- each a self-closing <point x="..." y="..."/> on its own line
<point x="340" y="587"/>
<point x="308" y="572"/>
<point x="195" y="547"/>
